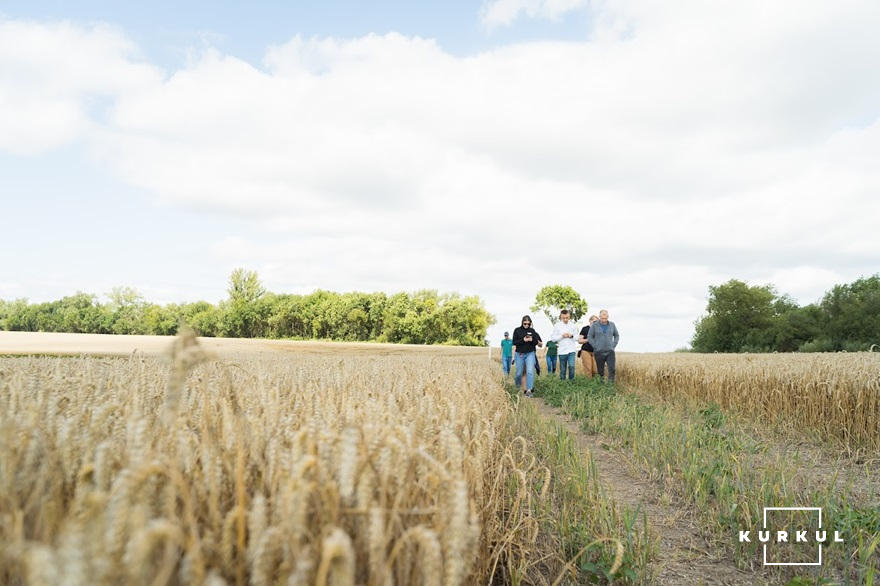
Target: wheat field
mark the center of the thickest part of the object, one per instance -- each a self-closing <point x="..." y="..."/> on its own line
<point x="295" y="468"/>
<point x="837" y="395"/>
<point x="299" y="463"/>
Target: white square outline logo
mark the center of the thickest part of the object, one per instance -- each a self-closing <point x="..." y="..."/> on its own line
<point x="766" y="563"/>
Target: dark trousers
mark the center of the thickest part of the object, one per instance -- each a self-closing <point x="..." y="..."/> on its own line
<point x="603" y="358"/>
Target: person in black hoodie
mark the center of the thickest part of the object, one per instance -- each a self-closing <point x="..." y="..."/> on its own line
<point x="525" y="342"/>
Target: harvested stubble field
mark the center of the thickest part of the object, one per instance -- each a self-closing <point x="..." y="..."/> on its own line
<point x="290" y="467"/>
<point x="40" y="343"/>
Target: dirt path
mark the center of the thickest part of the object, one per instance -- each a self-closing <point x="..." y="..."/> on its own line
<point x="685" y="557"/>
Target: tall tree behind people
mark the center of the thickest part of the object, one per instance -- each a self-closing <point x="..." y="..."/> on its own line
<point x="552" y="299"/>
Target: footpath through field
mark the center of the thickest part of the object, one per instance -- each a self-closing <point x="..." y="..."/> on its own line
<point x="685" y="558"/>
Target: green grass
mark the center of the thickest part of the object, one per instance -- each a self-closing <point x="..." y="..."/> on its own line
<point x="727" y="475"/>
<point x="600" y="541"/>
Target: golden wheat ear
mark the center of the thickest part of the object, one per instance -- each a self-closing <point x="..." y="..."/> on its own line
<point x="185" y="352"/>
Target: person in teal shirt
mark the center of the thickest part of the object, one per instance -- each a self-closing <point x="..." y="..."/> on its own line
<point x="506" y="353"/>
<point x="552" y="353"/>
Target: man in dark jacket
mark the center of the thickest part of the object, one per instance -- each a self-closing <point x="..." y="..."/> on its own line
<point x="603" y="337"/>
<point x="525" y="340"/>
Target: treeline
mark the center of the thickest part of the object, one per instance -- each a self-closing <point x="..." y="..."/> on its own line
<point x="422" y="317"/>
<point x="743" y="318"/>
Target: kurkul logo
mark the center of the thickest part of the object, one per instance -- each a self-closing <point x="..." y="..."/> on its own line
<point x="797" y="536"/>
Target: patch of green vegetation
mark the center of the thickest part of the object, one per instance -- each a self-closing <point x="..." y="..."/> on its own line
<point x="726" y="474"/>
<point x="600" y="541"/>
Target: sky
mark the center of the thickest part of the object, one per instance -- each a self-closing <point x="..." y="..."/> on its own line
<point x="638" y="151"/>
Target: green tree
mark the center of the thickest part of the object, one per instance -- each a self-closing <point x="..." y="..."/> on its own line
<point x="245" y="286"/>
<point x="14" y="315"/>
<point x="324" y="314"/>
<point x="356" y="316"/>
<point x="428" y="317"/>
<point x="125" y="311"/>
<point x="796" y="327"/>
<point x="6" y="309"/>
<point x="851" y="314"/>
<point x="80" y="314"/>
<point x="554" y="298"/>
<point x="463" y="321"/>
<point x="162" y="320"/>
<point x="376" y="315"/>
<point x="739" y="318"/>
<point x="318" y="314"/>
<point x="45" y="317"/>
<point x="422" y="317"/>
<point x="202" y="317"/>
<point x="246" y="313"/>
<point x="286" y="318"/>
<point x="404" y="317"/>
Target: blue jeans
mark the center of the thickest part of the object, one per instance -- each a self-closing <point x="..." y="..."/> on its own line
<point x="603" y="358"/>
<point x="551" y="364"/>
<point x="525" y="361"/>
<point x="505" y="364"/>
<point x="567" y="360"/>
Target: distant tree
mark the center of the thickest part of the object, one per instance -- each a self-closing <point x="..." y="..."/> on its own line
<point x="796" y="326"/>
<point x="288" y="319"/>
<point x="376" y="315"/>
<point x="45" y="317"/>
<point x="246" y="313"/>
<point x="320" y="312"/>
<point x="552" y="299"/>
<point x="14" y="316"/>
<point x="327" y="315"/>
<point x="463" y="321"/>
<point x="357" y="315"/>
<point x="851" y="314"/>
<point x="71" y="314"/>
<point x="738" y="318"/>
<point x="125" y="311"/>
<point x="245" y="286"/>
<point x="163" y="320"/>
<point x="428" y="317"/>
<point x="202" y="317"/>
<point x="80" y="313"/>
<point x="404" y="317"/>
<point x="422" y="317"/>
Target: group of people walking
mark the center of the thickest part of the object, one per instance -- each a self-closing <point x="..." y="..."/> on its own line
<point x="594" y="343"/>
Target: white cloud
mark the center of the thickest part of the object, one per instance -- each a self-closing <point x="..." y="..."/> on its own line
<point x="682" y="146"/>
<point x="55" y="78"/>
<point x="503" y="12"/>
